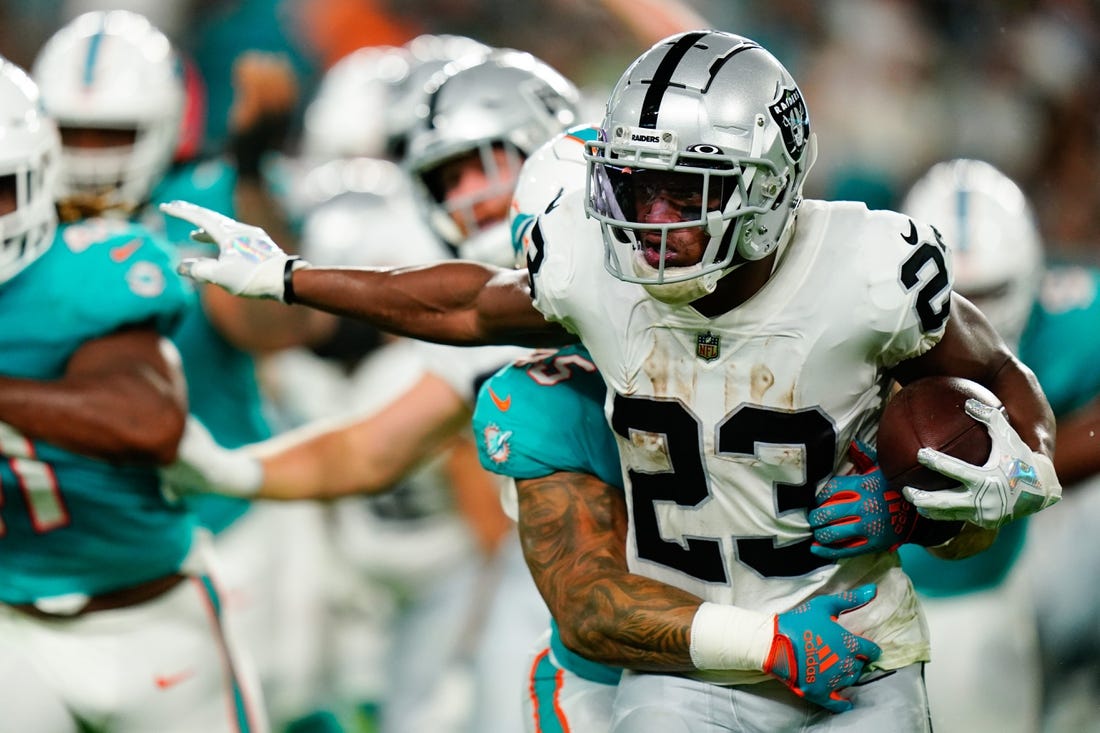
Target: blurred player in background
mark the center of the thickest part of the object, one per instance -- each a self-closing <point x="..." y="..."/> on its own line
<point x="403" y="565"/>
<point x="111" y="616"/>
<point x="982" y="611"/>
<point x="487" y="115"/>
<point x="695" y="222"/>
<point x="124" y="106"/>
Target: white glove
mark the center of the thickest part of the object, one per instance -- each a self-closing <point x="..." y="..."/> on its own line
<point x="249" y="263"/>
<point x="204" y="467"/>
<point x="1013" y="483"/>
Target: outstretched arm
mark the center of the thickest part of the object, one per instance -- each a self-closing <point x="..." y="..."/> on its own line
<point x="461" y="302"/>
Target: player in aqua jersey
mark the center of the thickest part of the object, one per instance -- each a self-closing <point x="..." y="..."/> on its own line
<point x="109" y="616"/>
<point x="518" y="425"/>
<point x="115" y="85"/>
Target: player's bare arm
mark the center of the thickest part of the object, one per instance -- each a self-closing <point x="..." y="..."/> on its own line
<point x="122" y="398"/>
<point x="463" y="302"/>
<point x="1078" y="454"/>
<point x="573" y="529"/>
<point x="328" y="459"/>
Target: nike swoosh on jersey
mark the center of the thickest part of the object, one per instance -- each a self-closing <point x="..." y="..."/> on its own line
<point x="163" y="682"/>
<point x="122" y="252"/>
<point x="557" y="200"/>
<point x="502" y="404"/>
<point x="911" y="237"/>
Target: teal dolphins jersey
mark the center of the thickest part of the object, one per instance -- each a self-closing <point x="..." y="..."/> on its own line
<point x="1059" y="343"/>
<point x="232" y="411"/>
<point x="70" y="524"/>
<point x="544" y="414"/>
<point x="1068" y="307"/>
<point x="541" y="415"/>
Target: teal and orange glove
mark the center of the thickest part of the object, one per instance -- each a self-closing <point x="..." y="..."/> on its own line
<point x="814" y="655"/>
<point x="859" y="514"/>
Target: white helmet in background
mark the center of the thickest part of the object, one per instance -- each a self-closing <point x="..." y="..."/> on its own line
<point x="30" y="152"/>
<point x="721" y="116"/>
<point x="508" y="99"/>
<point x="113" y="70"/>
<point x="996" y="249"/>
<point x="554" y="170"/>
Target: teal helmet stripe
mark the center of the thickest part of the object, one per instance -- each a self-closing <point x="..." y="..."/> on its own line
<point x="90" y="58"/>
<point x="962" y="214"/>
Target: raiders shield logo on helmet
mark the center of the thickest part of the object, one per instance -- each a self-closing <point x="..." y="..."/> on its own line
<point x="789" y="112"/>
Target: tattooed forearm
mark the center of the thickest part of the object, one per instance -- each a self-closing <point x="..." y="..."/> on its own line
<point x="573" y="528"/>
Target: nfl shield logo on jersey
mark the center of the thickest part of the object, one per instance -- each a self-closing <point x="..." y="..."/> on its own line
<point x="706" y="346"/>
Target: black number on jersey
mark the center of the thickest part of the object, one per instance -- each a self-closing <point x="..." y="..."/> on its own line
<point x="741" y="434"/>
<point x="686" y="483"/>
<point x="535" y="255"/>
<point x="931" y="319"/>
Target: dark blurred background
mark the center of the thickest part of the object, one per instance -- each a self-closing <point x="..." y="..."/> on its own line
<point x="893" y="85"/>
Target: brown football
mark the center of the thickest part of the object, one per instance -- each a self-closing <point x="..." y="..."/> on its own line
<point x="931" y="413"/>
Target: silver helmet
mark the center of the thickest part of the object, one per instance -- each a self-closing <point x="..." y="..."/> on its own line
<point x="347" y="116"/>
<point x="30" y="153"/>
<point x="508" y="100"/>
<point x="720" y="116"/>
<point x="996" y="249"/>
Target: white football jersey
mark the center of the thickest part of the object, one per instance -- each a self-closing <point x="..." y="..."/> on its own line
<point x="727" y="426"/>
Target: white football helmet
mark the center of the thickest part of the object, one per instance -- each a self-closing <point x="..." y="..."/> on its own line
<point x="509" y="100"/>
<point x="30" y="152"/>
<point x="113" y="70"/>
<point x="724" y="118"/>
<point x="557" y="168"/>
<point x="996" y="249"/>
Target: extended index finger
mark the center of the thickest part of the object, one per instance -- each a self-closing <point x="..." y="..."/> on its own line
<point x="198" y="215"/>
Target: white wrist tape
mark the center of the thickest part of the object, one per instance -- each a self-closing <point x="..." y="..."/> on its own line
<point x="728" y="637"/>
<point x="236" y="473"/>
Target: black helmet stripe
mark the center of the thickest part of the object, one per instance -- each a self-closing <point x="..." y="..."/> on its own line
<point x="662" y="78"/>
<point x="717" y="65"/>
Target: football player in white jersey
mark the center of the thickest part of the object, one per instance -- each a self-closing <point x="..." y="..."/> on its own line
<point x="746" y="337"/>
